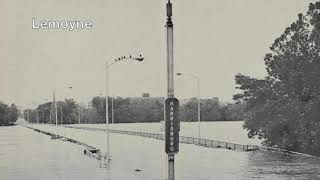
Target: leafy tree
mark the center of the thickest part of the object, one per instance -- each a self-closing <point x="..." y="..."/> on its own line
<point x="99" y="106"/>
<point x="122" y="110"/>
<point x="211" y="110"/>
<point x="8" y="115"/>
<point x="70" y="112"/>
<point x="46" y="111"/>
<point x="283" y="108"/>
<point x="188" y="111"/>
<point x="127" y="110"/>
<point x="145" y="111"/>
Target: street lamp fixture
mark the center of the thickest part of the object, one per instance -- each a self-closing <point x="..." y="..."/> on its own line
<point x="139" y="58"/>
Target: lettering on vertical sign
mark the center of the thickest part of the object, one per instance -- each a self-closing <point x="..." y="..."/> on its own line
<point x="172" y="126"/>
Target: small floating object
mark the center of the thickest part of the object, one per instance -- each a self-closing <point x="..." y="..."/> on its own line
<point x="137" y="170"/>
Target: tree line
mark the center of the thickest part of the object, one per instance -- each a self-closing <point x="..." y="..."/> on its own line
<point x="128" y="110"/>
<point x="283" y="109"/>
<point x="211" y="110"/>
<point x="67" y="112"/>
<point x="8" y="114"/>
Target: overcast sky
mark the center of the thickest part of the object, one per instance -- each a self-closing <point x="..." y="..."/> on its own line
<point x="215" y="39"/>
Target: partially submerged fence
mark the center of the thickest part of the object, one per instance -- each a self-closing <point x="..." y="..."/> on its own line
<point x="95" y="153"/>
<point x="89" y="150"/>
<point x="182" y="139"/>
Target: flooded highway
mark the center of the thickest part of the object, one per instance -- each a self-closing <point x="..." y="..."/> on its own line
<point x="27" y="154"/>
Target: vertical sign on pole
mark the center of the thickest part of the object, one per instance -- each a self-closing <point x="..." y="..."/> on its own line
<point x="172" y="126"/>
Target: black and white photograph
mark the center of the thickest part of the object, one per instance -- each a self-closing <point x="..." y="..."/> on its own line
<point x="160" y="90"/>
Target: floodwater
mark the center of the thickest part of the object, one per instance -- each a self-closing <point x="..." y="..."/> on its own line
<point x="29" y="155"/>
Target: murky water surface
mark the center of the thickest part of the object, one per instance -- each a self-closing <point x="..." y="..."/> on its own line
<point x="29" y="155"/>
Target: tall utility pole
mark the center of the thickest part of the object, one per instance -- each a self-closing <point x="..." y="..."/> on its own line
<point x="170" y="76"/>
<point x="199" y="111"/>
<point x="170" y="66"/>
<point x="107" y="113"/>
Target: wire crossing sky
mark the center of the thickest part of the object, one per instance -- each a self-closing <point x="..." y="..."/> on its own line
<point x="215" y="39"/>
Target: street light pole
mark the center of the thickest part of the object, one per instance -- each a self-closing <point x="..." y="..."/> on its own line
<point x="108" y="65"/>
<point x="198" y="98"/>
<point x="199" y="111"/>
<point x="107" y="113"/>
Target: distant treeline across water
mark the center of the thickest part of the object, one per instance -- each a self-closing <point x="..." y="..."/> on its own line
<point x="129" y="110"/>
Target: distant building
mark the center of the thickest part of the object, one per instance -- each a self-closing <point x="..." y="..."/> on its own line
<point x="145" y="94"/>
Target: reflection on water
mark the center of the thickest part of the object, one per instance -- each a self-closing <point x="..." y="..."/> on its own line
<point x="26" y="154"/>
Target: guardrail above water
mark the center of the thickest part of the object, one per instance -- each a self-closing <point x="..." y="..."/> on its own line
<point x="182" y="139"/>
